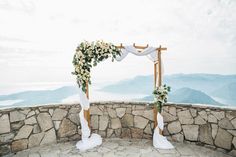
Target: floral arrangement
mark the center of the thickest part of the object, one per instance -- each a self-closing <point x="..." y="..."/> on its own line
<point x="161" y="96"/>
<point x="89" y="54"/>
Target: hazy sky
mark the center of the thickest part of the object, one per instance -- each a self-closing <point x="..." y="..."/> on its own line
<point x="38" y="37"/>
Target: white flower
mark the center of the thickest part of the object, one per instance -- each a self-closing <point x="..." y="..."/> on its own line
<point x="87" y="50"/>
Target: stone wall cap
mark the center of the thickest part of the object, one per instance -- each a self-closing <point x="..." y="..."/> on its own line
<point x="203" y="106"/>
<point x="145" y="103"/>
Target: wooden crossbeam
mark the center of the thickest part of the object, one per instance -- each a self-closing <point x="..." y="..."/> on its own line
<point x="143" y="47"/>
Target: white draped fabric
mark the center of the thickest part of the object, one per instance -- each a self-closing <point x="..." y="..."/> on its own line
<point x="87" y="141"/>
<point x="150" y="52"/>
<point x="94" y="140"/>
<point x="159" y="141"/>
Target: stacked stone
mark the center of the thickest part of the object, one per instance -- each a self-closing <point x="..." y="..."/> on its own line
<point x="29" y="127"/>
<point x="122" y="120"/>
<point x="22" y="128"/>
<point x="204" y="125"/>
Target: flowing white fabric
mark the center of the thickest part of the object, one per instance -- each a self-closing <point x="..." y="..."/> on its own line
<point x="87" y="141"/>
<point x="150" y="52"/>
<point x="84" y="102"/>
<point x="160" y="141"/>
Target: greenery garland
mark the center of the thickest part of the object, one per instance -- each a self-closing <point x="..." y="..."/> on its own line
<point x="161" y="96"/>
<point x="89" y="54"/>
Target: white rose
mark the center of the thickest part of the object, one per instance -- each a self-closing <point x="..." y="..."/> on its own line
<point x="77" y="69"/>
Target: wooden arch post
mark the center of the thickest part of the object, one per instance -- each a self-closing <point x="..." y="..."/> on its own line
<point x="159" y="76"/>
<point x="156" y="75"/>
<point x="86" y="112"/>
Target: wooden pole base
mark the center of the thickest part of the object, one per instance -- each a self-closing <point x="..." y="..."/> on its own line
<point x="87" y="112"/>
<point x="155" y="116"/>
<point x="155" y="119"/>
<point x="87" y="116"/>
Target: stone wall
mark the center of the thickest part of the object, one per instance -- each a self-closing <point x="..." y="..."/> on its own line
<point x="22" y="128"/>
<point x="204" y="125"/>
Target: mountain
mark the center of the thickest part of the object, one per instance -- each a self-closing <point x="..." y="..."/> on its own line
<point x="147" y="98"/>
<point x="138" y="85"/>
<point x="188" y="95"/>
<point x="144" y="84"/>
<point x="41" y="96"/>
<point x="185" y="88"/>
<point x="228" y="92"/>
<point x="207" y="83"/>
<point x="203" y="82"/>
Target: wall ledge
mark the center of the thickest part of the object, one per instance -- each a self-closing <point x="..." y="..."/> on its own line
<point x="26" y="127"/>
<point x="145" y="103"/>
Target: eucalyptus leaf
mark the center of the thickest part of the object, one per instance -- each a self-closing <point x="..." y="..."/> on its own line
<point x="92" y="54"/>
<point x="161" y="96"/>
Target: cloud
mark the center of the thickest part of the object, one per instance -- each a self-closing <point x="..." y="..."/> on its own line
<point x="10" y="39"/>
<point x="21" y="57"/>
<point x="26" y="6"/>
<point x="200" y="35"/>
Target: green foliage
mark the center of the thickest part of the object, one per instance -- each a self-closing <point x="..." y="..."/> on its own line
<point x="89" y="54"/>
<point x="161" y="96"/>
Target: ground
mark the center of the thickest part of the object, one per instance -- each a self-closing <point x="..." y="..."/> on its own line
<point x="114" y="147"/>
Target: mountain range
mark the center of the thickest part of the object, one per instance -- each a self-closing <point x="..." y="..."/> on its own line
<point x="188" y="95"/>
<point x="40" y="96"/>
<point x="186" y="88"/>
<point x="210" y="89"/>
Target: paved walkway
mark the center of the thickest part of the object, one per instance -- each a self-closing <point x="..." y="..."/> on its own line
<point x="120" y="148"/>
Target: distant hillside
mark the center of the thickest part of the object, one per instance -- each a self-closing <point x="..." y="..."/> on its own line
<point x="138" y="85"/>
<point x="185" y="88"/>
<point x="203" y="82"/>
<point x="188" y="95"/>
<point x="207" y="83"/>
<point x="41" y="96"/>
<point x="144" y="84"/>
<point x="228" y="92"/>
<point x="147" y="98"/>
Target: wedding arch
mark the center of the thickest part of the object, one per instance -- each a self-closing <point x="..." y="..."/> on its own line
<point x="91" y="53"/>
